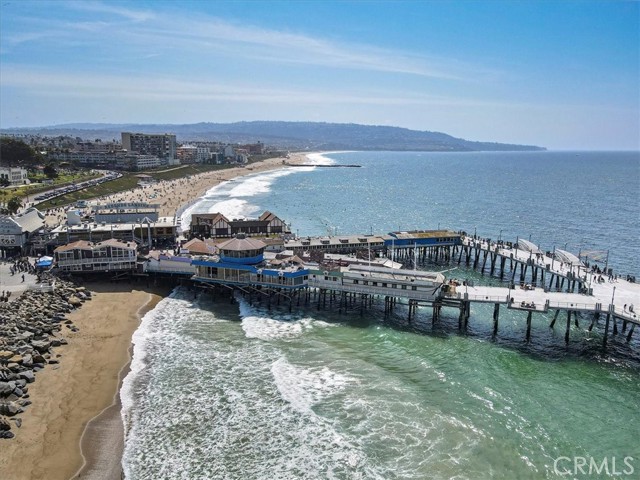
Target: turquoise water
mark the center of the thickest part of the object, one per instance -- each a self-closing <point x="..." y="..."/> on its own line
<point x="220" y="390"/>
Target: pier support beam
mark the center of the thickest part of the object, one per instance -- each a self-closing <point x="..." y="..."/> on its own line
<point x="596" y="316"/>
<point x="606" y="330"/>
<point x="633" y="325"/>
<point x="496" y="315"/>
<point x="529" y="315"/>
<point x="555" y="317"/>
<point x="566" y="333"/>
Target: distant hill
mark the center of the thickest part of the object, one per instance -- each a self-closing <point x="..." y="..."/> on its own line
<point x="290" y="135"/>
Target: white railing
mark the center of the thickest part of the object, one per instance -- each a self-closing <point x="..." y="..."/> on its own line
<point x="371" y="290"/>
<point x="93" y="261"/>
<point x="485" y="298"/>
<point x="574" y="306"/>
<point x="167" y="266"/>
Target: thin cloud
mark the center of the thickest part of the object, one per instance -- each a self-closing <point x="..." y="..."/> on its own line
<point x="99" y="7"/>
<point x="131" y="28"/>
<point x="169" y="89"/>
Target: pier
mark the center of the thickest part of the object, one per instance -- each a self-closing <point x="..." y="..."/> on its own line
<point x="536" y="284"/>
<point x="347" y="272"/>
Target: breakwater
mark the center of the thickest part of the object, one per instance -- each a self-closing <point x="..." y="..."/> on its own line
<point x="32" y="326"/>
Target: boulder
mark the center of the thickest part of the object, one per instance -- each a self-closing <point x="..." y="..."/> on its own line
<point x="27" y="375"/>
<point x="6" y="354"/>
<point x="74" y="301"/>
<point x="41" y="345"/>
<point x="16" y="359"/>
<point x="10" y="409"/>
<point x="4" y="424"/>
<point x="6" y="388"/>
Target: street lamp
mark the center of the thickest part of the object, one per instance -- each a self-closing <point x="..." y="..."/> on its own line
<point x="500" y="235"/>
<point x="613" y="295"/>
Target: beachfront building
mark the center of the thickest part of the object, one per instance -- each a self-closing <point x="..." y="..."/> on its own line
<point x="87" y="257"/>
<point x="203" y="154"/>
<point x="216" y="225"/>
<point x="14" y="175"/>
<point x="336" y="244"/>
<point x="423" y="238"/>
<point x="126" y="212"/>
<point x="17" y="231"/>
<point x="187" y="154"/>
<point x="163" y="263"/>
<point x="161" y="233"/>
<point x="159" y="145"/>
<point x="241" y="262"/>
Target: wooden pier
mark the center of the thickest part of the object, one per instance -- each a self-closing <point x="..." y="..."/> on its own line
<point x="533" y="283"/>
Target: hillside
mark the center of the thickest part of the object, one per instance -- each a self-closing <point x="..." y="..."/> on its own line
<point x="291" y="135"/>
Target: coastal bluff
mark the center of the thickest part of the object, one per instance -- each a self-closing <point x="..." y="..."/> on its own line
<point x="31" y="327"/>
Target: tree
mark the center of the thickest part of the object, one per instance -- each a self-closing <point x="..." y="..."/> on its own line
<point x="4" y="182"/>
<point x="50" y="171"/>
<point x="13" y="205"/>
<point x="15" y="152"/>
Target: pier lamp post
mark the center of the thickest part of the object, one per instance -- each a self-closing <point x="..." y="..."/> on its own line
<point x="613" y="295"/>
<point x="500" y="235"/>
<point x="474" y="231"/>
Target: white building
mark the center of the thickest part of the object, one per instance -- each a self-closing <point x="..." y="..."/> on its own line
<point x="15" y="231"/>
<point x="15" y="175"/>
<point x="203" y="154"/>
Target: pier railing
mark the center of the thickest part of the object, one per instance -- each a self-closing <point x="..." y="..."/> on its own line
<point x="370" y="290"/>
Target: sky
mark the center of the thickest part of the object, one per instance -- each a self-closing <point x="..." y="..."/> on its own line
<point x="560" y="74"/>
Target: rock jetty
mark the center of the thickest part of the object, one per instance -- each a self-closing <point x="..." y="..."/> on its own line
<point x="31" y="327"/>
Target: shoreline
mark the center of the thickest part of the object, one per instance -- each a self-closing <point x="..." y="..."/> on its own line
<point x="74" y="427"/>
<point x="67" y="396"/>
<point x="102" y="441"/>
<point x="171" y="195"/>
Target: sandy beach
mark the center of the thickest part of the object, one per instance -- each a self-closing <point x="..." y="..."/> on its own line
<point x="172" y="194"/>
<point x="76" y="403"/>
<point x="66" y="396"/>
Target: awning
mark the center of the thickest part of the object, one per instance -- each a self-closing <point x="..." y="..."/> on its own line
<point x="44" y="262"/>
<point x="567" y="257"/>
<point x="528" y="246"/>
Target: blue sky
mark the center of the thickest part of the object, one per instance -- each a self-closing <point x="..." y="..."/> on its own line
<point x="560" y="74"/>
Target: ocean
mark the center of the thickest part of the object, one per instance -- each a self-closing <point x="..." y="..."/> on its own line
<point x="236" y="391"/>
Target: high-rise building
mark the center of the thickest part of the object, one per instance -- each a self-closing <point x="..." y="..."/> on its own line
<point x="160" y="145"/>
